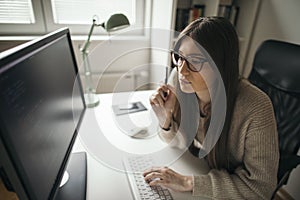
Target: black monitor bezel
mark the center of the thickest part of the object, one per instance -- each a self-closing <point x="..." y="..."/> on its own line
<point x="10" y="56"/>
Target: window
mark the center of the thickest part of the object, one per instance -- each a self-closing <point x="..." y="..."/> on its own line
<point x="18" y="11"/>
<point x="23" y="17"/>
<point x="80" y="12"/>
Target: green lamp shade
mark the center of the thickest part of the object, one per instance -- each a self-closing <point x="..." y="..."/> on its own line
<point x="116" y="22"/>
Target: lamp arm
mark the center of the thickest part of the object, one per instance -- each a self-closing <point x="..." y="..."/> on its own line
<point x="87" y="42"/>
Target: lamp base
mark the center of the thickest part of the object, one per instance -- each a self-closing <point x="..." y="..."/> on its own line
<point x="91" y="100"/>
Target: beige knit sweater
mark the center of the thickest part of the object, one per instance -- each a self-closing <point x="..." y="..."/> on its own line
<point x="253" y="149"/>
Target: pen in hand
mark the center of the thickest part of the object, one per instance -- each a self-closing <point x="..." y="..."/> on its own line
<point x="166" y="80"/>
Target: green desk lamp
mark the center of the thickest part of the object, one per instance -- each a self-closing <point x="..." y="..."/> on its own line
<point x="114" y="23"/>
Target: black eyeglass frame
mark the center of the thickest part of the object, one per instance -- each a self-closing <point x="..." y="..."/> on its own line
<point x="190" y="66"/>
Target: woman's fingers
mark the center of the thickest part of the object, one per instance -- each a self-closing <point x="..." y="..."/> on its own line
<point x="157" y="182"/>
<point x="171" y="90"/>
<point x="150" y="170"/>
<point x="153" y="176"/>
<point x="155" y="171"/>
<point x="166" y="177"/>
<point x="163" y="105"/>
<point x="160" y="101"/>
<point x="163" y="93"/>
<point x="157" y="99"/>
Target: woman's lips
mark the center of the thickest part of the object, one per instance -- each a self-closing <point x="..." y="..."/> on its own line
<point x="185" y="81"/>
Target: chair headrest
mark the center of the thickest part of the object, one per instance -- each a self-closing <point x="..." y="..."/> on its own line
<point x="278" y="62"/>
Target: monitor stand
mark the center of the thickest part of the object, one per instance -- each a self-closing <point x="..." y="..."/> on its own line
<point x="75" y="187"/>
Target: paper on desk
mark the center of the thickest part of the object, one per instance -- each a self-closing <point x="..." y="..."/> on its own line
<point x="128" y="108"/>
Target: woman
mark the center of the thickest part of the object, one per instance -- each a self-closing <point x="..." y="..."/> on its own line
<point x="243" y="162"/>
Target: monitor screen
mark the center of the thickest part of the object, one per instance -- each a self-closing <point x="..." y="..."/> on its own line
<point x="41" y="107"/>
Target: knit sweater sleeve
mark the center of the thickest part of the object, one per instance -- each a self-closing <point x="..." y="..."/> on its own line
<point x="256" y="175"/>
<point x="173" y="136"/>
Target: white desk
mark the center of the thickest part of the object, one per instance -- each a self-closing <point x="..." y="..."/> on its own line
<point x="99" y="124"/>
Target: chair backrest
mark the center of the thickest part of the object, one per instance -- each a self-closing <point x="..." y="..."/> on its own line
<point x="276" y="71"/>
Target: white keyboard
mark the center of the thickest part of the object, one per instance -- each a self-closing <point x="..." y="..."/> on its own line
<point x="140" y="189"/>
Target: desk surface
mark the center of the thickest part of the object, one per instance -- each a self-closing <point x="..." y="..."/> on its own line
<point x="104" y="179"/>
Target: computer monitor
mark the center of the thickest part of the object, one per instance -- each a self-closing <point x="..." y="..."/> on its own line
<point x="41" y="108"/>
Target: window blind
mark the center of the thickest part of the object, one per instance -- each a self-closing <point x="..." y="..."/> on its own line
<point x="16" y="12"/>
<point x="83" y="11"/>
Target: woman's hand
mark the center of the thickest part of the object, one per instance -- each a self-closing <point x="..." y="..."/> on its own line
<point x="166" y="177"/>
<point x="163" y="102"/>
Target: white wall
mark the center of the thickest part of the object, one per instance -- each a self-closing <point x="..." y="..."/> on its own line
<point x="114" y="61"/>
<point x="278" y="19"/>
<point x="162" y="19"/>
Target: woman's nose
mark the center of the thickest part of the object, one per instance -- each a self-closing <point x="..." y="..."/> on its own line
<point x="183" y="68"/>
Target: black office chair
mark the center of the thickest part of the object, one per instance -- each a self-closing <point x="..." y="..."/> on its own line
<point x="276" y="71"/>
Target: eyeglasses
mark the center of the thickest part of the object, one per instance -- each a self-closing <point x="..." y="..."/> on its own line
<point x="194" y="63"/>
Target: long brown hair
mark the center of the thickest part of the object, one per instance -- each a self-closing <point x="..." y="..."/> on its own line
<point x="219" y="38"/>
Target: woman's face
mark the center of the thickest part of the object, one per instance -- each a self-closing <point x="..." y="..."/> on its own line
<point x="191" y="81"/>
